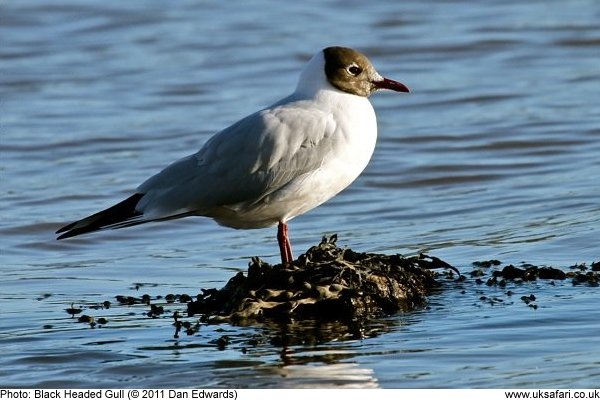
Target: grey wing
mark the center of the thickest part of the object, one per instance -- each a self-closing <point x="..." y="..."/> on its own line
<point x="243" y="163"/>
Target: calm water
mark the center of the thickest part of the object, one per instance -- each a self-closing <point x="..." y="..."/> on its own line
<point x="493" y="155"/>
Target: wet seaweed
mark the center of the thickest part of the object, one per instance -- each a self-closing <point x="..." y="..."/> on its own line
<point x="327" y="282"/>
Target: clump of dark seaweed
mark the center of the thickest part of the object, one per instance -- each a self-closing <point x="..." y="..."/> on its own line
<point x="327" y="282"/>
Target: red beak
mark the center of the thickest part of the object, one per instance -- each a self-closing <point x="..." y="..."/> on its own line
<point x="391" y="85"/>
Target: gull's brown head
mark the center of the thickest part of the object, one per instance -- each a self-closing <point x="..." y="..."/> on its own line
<point x="351" y="71"/>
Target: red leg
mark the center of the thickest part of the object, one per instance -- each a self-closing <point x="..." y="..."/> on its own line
<point x="285" y="247"/>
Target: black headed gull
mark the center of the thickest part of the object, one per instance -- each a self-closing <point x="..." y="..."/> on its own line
<point x="272" y="165"/>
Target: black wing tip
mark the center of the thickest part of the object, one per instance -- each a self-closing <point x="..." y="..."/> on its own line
<point x="71" y="229"/>
<point x="68" y="234"/>
<point x="116" y="214"/>
<point x="65" y="228"/>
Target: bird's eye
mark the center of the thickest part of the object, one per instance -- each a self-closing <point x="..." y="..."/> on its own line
<point x="354" y="70"/>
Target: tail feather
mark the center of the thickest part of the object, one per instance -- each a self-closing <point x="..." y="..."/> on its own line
<point x="121" y="214"/>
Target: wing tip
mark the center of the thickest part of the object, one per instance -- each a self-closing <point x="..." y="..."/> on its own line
<point x="64" y="229"/>
<point x="117" y="214"/>
<point x="66" y="235"/>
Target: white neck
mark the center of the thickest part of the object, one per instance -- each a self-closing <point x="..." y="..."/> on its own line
<point x="313" y="79"/>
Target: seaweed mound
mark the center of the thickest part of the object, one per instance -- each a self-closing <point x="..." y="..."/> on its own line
<point x="327" y="282"/>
